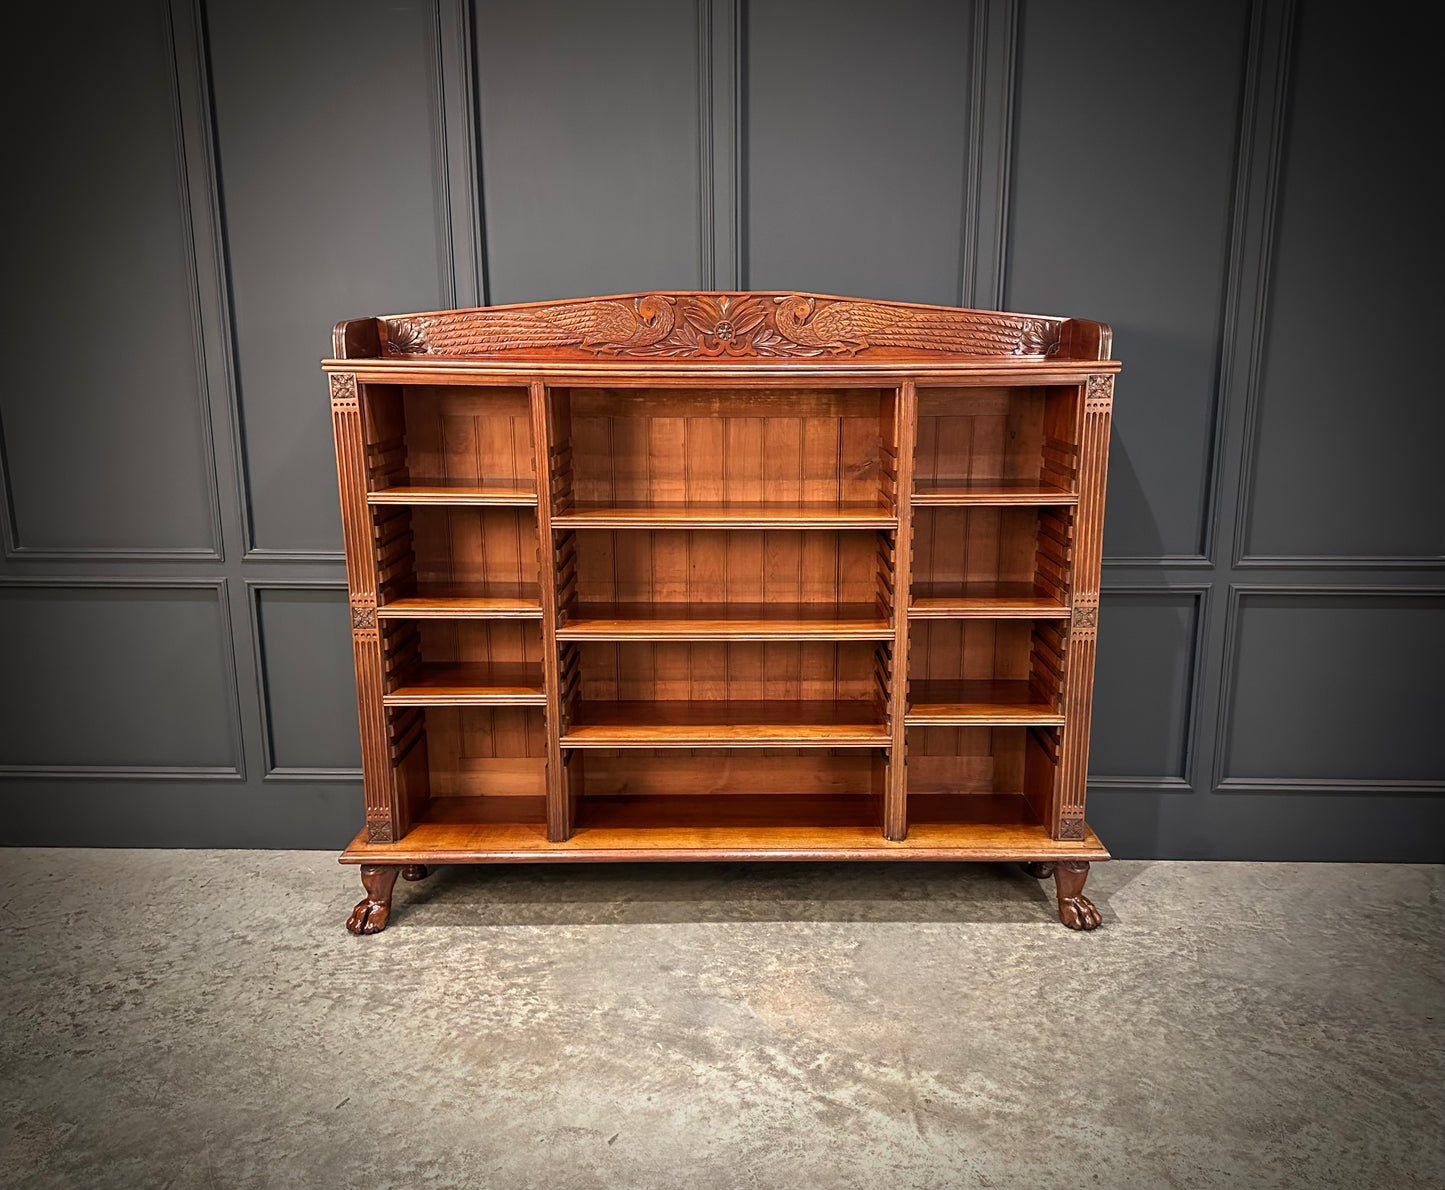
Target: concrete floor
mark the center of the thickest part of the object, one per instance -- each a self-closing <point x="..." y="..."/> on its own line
<point x="198" y="1019"/>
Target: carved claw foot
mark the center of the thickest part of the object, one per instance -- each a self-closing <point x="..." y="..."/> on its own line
<point x="373" y="910"/>
<point x="415" y="872"/>
<point x="1075" y="910"/>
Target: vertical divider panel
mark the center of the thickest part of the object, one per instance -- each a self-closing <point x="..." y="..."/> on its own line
<point x="895" y="801"/>
<point x="560" y="804"/>
<point x="1068" y="816"/>
<point x="386" y="809"/>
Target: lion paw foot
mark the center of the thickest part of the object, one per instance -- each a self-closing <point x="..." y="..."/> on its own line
<point x="1079" y="913"/>
<point x="369" y="917"/>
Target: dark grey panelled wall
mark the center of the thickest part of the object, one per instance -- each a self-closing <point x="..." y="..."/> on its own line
<point x="1238" y="187"/>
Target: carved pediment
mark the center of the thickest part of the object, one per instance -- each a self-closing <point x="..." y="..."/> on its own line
<point x="714" y="326"/>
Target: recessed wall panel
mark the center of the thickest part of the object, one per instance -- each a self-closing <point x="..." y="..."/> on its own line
<point x="1336" y="688"/>
<point x="589" y="133"/>
<point x="101" y="405"/>
<point x="1122" y="185"/>
<point x="856" y="140"/>
<point x="1143" y="684"/>
<point x="1346" y="459"/>
<point x="324" y="120"/>
<point x="308" y="678"/>
<point x="115" y="677"/>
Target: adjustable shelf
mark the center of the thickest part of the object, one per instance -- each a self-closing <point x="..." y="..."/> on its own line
<point x="961" y="493"/>
<point x="987" y="600"/>
<point x="496" y="493"/>
<point x="469" y="684"/>
<point x="520" y="601"/>
<point x="702" y="576"/>
<point x="978" y="703"/>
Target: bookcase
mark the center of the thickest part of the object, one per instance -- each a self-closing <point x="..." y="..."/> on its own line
<point x="681" y="576"/>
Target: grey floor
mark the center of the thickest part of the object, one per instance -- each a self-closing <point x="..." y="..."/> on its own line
<point x="198" y="1019"/>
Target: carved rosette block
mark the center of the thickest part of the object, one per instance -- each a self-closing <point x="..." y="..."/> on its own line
<point x="363" y="618"/>
<point x="1099" y="395"/>
<point x="343" y="391"/>
<point x="1071" y="827"/>
<point x="713" y="325"/>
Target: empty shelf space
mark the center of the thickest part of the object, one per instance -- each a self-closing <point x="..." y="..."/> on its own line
<point x="719" y="723"/>
<point x="959" y="492"/>
<point x="980" y="703"/>
<point x="727" y="826"/>
<point x="724" y="621"/>
<point x="513" y="601"/>
<point x="498" y="492"/>
<point x="727" y="515"/>
<point x="986" y="600"/>
<point x="466" y="684"/>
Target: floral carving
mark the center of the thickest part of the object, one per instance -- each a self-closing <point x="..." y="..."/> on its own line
<point x="708" y="326"/>
<point x="343" y="388"/>
<point x="404" y="337"/>
<point x="362" y="617"/>
<point x="1071" y="828"/>
<point x="1099" y="394"/>
<point x="1086" y="617"/>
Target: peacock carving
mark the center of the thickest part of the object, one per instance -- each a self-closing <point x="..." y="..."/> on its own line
<point x="593" y="326"/>
<point x="846" y="328"/>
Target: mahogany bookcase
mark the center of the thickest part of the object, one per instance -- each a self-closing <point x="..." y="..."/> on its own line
<point x="682" y="576"/>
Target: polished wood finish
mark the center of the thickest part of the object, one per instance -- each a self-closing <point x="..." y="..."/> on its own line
<point x="983" y="600"/>
<point x="456" y="491"/>
<point x="468" y="683"/>
<point x="374" y="910"/>
<point x="683" y="576"/>
<point x="982" y="703"/>
<point x="737" y="827"/>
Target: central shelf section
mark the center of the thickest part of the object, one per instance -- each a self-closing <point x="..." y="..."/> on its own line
<point x="716" y="723"/>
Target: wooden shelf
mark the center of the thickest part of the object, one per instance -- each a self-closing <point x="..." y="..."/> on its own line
<point x="949" y="601"/>
<point x="976" y="703"/>
<point x="469" y="684"/>
<point x="952" y="493"/>
<point x="714" y="724"/>
<point x="724" y="621"/>
<point x="727" y="827"/>
<point x="498" y="493"/>
<point x="730" y="515"/>
<point x="467" y="601"/>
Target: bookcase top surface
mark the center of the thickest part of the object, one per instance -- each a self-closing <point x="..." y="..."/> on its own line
<point x="752" y="332"/>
